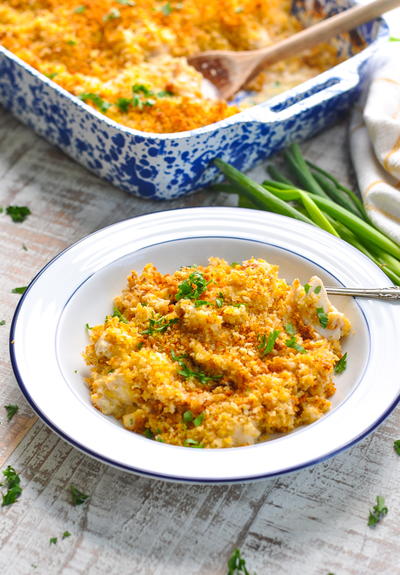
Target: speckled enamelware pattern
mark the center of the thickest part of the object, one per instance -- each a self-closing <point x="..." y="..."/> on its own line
<point x="165" y="166"/>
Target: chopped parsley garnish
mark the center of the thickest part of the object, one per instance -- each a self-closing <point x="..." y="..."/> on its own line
<point x="378" y="512"/>
<point x="126" y="2"/>
<point x="341" y="364"/>
<point x="3" y="322"/>
<point x="80" y="9"/>
<point x="53" y="540"/>
<point x="219" y="302"/>
<point x="140" y="345"/>
<point x="52" y="75"/>
<point x="18" y="214"/>
<point x="266" y="345"/>
<point x="119" y="315"/>
<point x="186" y="372"/>
<point x="148" y="433"/>
<point x="396" y="446"/>
<point x="188" y="417"/>
<point x="77" y="496"/>
<point x="292" y="343"/>
<point x="290" y="329"/>
<point x="192" y="443"/>
<point x="159" y="325"/>
<point x="166" y="9"/>
<point x="198" y="420"/>
<point x="66" y="534"/>
<point x="306" y="288"/>
<point x="113" y="14"/>
<point x="21" y="289"/>
<point x="322" y="316"/>
<point x="234" y="264"/>
<point x="88" y="327"/>
<point x="142" y="96"/>
<point x="200" y="302"/>
<point x="123" y="104"/>
<point x="236" y="564"/>
<point x="11" y="411"/>
<point x="193" y="287"/>
<point x="12" y="485"/>
<point x="72" y="42"/>
<point x="317" y="289"/>
<point x="97" y="100"/>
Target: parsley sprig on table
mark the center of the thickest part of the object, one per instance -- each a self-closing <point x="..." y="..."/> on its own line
<point x="186" y="372"/>
<point x="12" y="484"/>
<point x="236" y="564"/>
<point x="11" y="411"/>
<point x="18" y="214"/>
<point x="77" y="496"/>
<point x="378" y="512"/>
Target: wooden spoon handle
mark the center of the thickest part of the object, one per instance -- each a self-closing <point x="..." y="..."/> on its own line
<point x="342" y="22"/>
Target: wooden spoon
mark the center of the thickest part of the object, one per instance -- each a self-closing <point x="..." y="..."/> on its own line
<point x="229" y="70"/>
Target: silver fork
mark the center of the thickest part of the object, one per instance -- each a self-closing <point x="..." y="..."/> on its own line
<point x="386" y="293"/>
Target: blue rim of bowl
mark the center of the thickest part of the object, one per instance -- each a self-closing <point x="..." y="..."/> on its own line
<point x="140" y="472"/>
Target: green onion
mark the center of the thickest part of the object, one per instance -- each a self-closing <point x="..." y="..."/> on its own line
<point x="259" y="195"/>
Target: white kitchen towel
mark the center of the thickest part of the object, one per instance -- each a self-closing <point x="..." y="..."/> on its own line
<point x="375" y="141"/>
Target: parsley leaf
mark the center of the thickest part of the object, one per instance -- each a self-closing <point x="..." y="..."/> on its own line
<point x="198" y="420"/>
<point x="267" y="345"/>
<point x="77" y="496"/>
<point x="53" y="540"/>
<point x="200" y="302"/>
<point x="188" y="417"/>
<point x="290" y="329"/>
<point x="97" y="100"/>
<point x="119" y="315"/>
<point x="123" y="104"/>
<point x="80" y="9"/>
<point x="186" y="372"/>
<point x="193" y="287"/>
<point x="192" y="443"/>
<point x="113" y="14"/>
<point x="3" y="322"/>
<point x="322" y="316"/>
<point x="317" y="289"/>
<point x="148" y="433"/>
<point x="66" y="534"/>
<point x="219" y="302"/>
<point x="236" y="564"/>
<point x="292" y="343"/>
<point x="341" y="364"/>
<point x="11" y="411"/>
<point x="126" y="2"/>
<point x="159" y="325"/>
<point x="378" y="512"/>
<point x="396" y="445"/>
<point x="12" y="484"/>
<point x="18" y="214"/>
<point x="166" y="9"/>
<point x="306" y="288"/>
<point x="21" y="289"/>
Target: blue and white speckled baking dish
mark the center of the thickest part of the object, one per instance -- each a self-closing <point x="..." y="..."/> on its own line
<point x="165" y="166"/>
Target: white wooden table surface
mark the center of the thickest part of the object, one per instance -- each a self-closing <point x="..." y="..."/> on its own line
<point x="310" y="522"/>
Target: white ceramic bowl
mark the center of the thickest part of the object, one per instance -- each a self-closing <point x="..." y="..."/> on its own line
<point x="77" y="287"/>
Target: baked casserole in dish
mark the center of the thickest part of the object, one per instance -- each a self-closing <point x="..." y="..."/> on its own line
<point x="108" y="82"/>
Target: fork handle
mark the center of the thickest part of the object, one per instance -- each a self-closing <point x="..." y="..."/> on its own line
<point x="387" y="293"/>
<point x="309" y="37"/>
